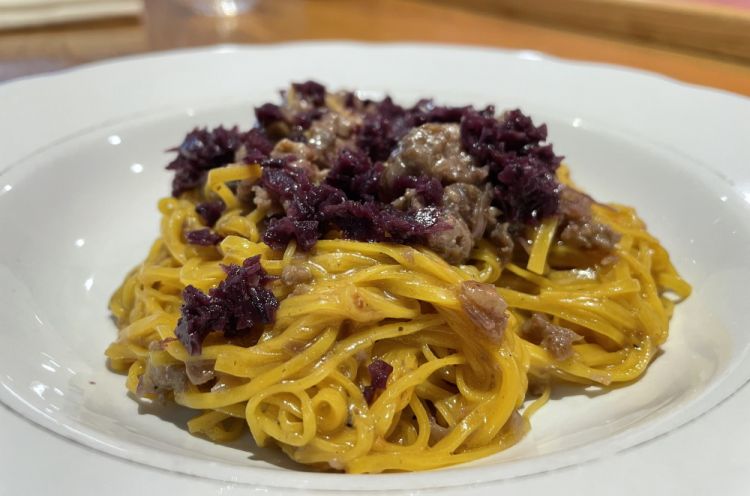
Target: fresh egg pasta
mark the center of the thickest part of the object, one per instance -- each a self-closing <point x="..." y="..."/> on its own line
<point x="377" y="288"/>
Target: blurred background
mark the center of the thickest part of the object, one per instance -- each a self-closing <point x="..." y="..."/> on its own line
<point x="700" y="41"/>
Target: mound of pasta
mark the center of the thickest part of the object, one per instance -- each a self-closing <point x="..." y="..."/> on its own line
<point x="377" y="288"/>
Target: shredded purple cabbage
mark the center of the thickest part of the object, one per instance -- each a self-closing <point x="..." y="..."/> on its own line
<point x="312" y="92"/>
<point x="235" y="307"/>
<point x="379" y="372"/>
<point x="203" y="237"/>
<point x="210" y="211"/>
<point x="202" y="150"/>
<point x="257" y="146"/>
<point x="372" y="221"/>
<point x="312" y="210"/>
<point x="522" y="170"/>
<point x="352" y="199"/>
<point x="382" y="128"/>
<point x="282" y="230"/>
<point x="268" y="114"/>
<point x="304" y="119"/>
<point x="388" y="122"/>
<point x="303" y="203"/>
<point x="355" y="175"/>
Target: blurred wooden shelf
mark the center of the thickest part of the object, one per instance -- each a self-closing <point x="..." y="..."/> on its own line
<point x="721" y="27"/>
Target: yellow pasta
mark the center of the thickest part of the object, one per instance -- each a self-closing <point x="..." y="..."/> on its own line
<point x="454" y="394"/>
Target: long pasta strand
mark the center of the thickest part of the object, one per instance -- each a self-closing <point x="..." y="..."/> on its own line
<point x="450" y="398"/>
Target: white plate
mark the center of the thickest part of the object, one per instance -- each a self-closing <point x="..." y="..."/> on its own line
<point x="82" y="167"/>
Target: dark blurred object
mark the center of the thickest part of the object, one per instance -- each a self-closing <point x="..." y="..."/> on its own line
<point x="716" y="26"/>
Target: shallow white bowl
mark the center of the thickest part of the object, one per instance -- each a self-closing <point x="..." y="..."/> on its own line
<point x="82" y="167"/>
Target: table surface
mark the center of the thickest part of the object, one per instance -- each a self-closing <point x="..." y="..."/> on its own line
<point x="167" y="24"/>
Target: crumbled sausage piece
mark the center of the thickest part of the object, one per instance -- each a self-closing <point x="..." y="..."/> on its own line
<point x="503" y="241"/>
<point x="294" y="274"/>
<point x="250" y="193"/>
<point x="555" y="339"/>
<point x="302" y="156"/>
<point x="434" y="150"/>
<point x="160" y="379"/>
<point x="589" y="235"/>
<point x="579" y="228"/>
<point x="574" y="205"/>
<point x="469" y="203"/>
<point x="453" y="243"/>
<point x="332" y="133"/>
<point x="485" y="307"/>
<point x="261" y="198"/>
<point x="410" y="200"/>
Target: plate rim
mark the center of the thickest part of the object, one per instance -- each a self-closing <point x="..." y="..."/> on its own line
<point x="232" y="48"/>
<point x="218" y="48"/>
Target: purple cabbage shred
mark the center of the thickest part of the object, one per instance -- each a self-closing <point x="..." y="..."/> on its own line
<point x="268" y="114"/>
<point x="355" y="175"/>
<point x="304" y="119"/>
<point x="202" y="150"/>
<point x="210" y="211"/>
<point x="237" y="306"/>
<point x="352" y="200"/>
<point x="303" y="203"/>
<point x="311" y="210"/>
<point x="203" y="237"/>
<point x="312" y="92"/>
<point x="257" y="146"/>
<point x="521" y="168"/>
<point x="372" y="221"/>
<point x="379" y="373"/>
<point x="388" y="122"/>
<point x="282" y="230"/>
